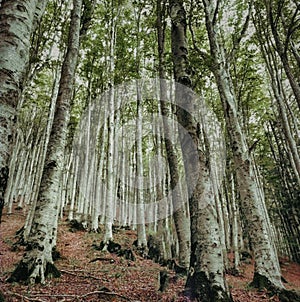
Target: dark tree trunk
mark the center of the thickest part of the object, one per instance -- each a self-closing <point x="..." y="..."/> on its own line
<point x="206" y="278"/>
<point x="181" y="220"/>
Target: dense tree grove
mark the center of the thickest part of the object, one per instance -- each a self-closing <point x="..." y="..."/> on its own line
<point x="176" y="118"/>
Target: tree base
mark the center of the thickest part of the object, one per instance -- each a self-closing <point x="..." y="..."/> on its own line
<point x="289" y="296"/>
<point x="163" y="280"/>
<point x="2" y="298"/>
<point x="23" y="273"/>
<point x="76" y="226"/>
<point x="261" y="282"/>
<point x="198" y="287"/>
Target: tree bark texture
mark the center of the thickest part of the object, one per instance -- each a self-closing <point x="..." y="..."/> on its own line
<point x="17" y="24"/>
<point x="206" y="279"/>
<point x="266" y="262"/>
<point x="37" y="262"/>
<point x="181" y="220"/>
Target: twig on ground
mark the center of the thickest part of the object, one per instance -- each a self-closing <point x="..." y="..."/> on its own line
<point x="25" y="297"/>
<point x="81" y="276"/>
<point x="111" y="260"/>
<point x="101" y="292"/>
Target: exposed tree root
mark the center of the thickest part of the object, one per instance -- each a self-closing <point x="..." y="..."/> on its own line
<point x="1" y="208"/>
<point x="111" y="260"/>
<point x="105" y="293"/>
<point x="198" y="287"/>
<point x="33" y="273"/>
<point x="113" y="248"/>
<point x="289" y="296"/>
<point x="76" y="226"/>
<point x="261" y="282"/>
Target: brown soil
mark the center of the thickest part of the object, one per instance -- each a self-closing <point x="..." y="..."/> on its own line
<point x="112" y="279"/>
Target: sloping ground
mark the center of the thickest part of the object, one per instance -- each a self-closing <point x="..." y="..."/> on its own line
<point x="109" y="278"/>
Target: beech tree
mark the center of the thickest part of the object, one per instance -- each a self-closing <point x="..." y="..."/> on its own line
<point x="206" y="277"/>
<point x="251" y="204"/>
<point x="18" y="20"/>
<point x="180" y="217"/>
<point x="37" y="262"/>
<point x="284" y="22"/>
<point x="244" y="61"/>
<point x="267" y="273"/>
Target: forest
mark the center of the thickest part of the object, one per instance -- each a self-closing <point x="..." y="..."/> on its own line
<point x="162" y="135"/>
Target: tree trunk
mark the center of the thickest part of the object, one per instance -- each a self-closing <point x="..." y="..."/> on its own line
<point x="17" y="24"/>
<point x="281" y="48"/>
<point x="181" y="220"/>
<point x="278" y="91"/>
<point x="267" y="272"/>
<point x="141" y="229"/>
<point x="37" y="262"/>
<point x="110" y="198"/>
<point x="206" y="278"/>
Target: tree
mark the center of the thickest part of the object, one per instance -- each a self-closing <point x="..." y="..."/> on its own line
<point x="18" y="20"/>
<point x="181" y="220"/>
<point x="267" y="270"/>
<point x="206" y="277"/>
<point x="284" y="21"/>
<point x="37" y="262"/>
<point x="274" y="70"/>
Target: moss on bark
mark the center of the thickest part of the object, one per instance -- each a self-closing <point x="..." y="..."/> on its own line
<point x="289" y="296"/>
<point x="199" y="287"/>
<point x="23" y="273"/>
<point x="2" y="298"/>
<point x="261" y="282"/>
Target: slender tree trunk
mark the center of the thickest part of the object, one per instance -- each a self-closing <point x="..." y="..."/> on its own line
<point x="282" y="50"/>
<point x="139" y="175"/>
<point x="277" y="87"/>
<point x="206" y="278"/>
<point x="180" y="218"/>
<point x="37" y="262"/>
<point x="110" y="198"/>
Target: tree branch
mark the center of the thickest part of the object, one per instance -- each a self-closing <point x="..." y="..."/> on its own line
<point x="81" y="276"/>
<point x="102" y="291"/>
<point x="237" y="41"/>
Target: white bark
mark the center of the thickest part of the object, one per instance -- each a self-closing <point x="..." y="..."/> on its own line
<point x="141" y="229"/>
<point x="266" y="262"/>
<point x="42" y="237"/>
<point x="206" y="280"/>
<point x="17" y="25"/>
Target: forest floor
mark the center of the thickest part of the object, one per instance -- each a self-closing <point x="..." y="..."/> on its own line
<point x="112" y="278"/>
